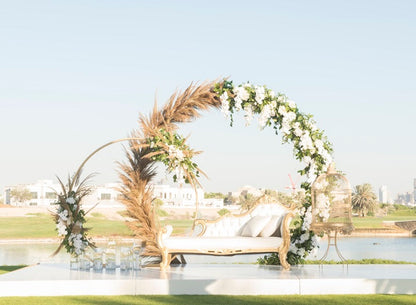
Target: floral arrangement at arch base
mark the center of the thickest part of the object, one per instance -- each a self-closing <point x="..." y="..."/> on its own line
<point x="310" y="147"/>
<point x="70" y="216"/>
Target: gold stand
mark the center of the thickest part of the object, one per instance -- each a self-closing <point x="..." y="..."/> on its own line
<point x="333" y="243"/>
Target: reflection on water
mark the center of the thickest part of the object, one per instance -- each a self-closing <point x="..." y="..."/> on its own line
<point x="395" y="248"/>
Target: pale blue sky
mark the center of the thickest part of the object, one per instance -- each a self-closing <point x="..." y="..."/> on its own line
<point x="76" y="74"/>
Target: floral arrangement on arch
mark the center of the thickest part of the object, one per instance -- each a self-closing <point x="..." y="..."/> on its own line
<point x="70" y="217"/>
<point x="171" y="149"/>
<point x="310" y="147"/>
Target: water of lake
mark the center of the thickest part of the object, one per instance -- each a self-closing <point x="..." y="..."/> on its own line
<point x="395" y="248"/>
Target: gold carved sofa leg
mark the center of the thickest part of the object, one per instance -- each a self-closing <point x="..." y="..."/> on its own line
<point x="166" y="258"/>
<point x="283" y="261"/>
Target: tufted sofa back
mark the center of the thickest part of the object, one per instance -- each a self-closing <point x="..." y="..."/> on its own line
<point x="231" y="225"/>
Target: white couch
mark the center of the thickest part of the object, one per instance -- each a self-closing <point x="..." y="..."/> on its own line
<point x="263" y="229"/>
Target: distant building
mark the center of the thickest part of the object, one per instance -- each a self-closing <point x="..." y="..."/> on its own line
<point x="414" y="191"/>
<point x="405" y="199"/>
<point x="43" y="193"/>
<point x="247" y="189"/>
<point x="177" y="195"/>
<point x="383" y="194"/>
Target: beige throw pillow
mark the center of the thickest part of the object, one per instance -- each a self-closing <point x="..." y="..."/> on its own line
<point x="272" y="228"/>
<point x="254" y="226"/>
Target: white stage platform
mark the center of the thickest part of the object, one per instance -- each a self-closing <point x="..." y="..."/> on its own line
<point x="231" y="279"/>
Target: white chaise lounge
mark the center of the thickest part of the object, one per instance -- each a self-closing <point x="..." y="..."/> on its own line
<point x="263" y="229"/>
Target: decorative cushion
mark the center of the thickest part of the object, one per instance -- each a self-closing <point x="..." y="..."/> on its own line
<point x="254" y="226"/>
<point x="272" y="228"/>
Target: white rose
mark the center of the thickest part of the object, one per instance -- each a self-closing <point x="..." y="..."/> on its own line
<point x="249" y="114"/>
<point x="290" y="116"/>
<point x="238" y="103"/>
<point x="225" y="104"/>
<point x="291" y="104"/>
<point x="307" y="160"/>
<point x="260" y="94"/>
<point x="63" y="215"/>
<point x="70" y="200"/>
<point x="282" y="110"/>
<point x="242" y="93"/>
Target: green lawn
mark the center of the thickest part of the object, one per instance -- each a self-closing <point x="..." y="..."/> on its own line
<point x="377" y="222"/>
<point x="214" y="299"/>
<point x="5" y="269"/>
<point x="180" y="226"/>
<point x="42" y="226"/>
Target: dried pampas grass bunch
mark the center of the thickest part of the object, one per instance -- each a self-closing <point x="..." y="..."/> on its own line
<point x="138" y="170"/>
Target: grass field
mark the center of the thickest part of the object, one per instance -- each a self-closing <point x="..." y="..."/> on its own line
<point x="5" y="269"/>
<point x="372" y="222"/>
<point x="214" y="300"/>
<point x="42" y="225"/>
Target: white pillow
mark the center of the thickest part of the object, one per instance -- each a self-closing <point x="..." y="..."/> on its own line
<point x="272" y="228"/>
<point x="254" y="226"/>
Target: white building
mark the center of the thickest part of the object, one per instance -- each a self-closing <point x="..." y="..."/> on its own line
<point x="43" y="193"/>
<point x="177" y="196"/>
<point x="247" y="189"/>
<point x="383" y="195"/>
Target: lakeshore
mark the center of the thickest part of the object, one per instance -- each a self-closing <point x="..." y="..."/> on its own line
<point x="182" y="217"/>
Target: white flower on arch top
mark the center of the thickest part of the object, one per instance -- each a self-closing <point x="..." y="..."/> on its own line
<point x="310" y="145"/>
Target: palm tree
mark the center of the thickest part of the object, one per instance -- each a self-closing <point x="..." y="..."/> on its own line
<point x="363" y="199"/>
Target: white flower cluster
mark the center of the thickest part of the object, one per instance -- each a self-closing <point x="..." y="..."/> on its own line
<point x="260" y="94"/>
<point x="267" y="112"/>
<point x="61" y="226"/>
<point x="179" y="175"/>
<point x="270" y="106"/>
<point x="225" y="105"/>
<point x="175" y="153"/>
<point x="321" y="185"/>
<point x="299" y="251"/>
<point x="75" y="240"/>
<point x="322" y="207"/>
<point x="307" y="220"/>
<point x="63" y="222"/>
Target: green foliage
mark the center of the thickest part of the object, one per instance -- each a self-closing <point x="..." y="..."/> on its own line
<point x="5" y="269"/>
<point x="214" y="299"/>
<point x="274" y="260"/>
<point x="363" y="199"/>
<point x="223" y="211"/>
<point x="20" y="194"/>
<point x="215" y="195"/>
<point x="402" y="210"/>
<point x="229" y="199"/>
<point x="157" y="203"/>
<point x="364" y="261"/>
<point x="171" y="149"/>
<point x="247" y="201"/>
